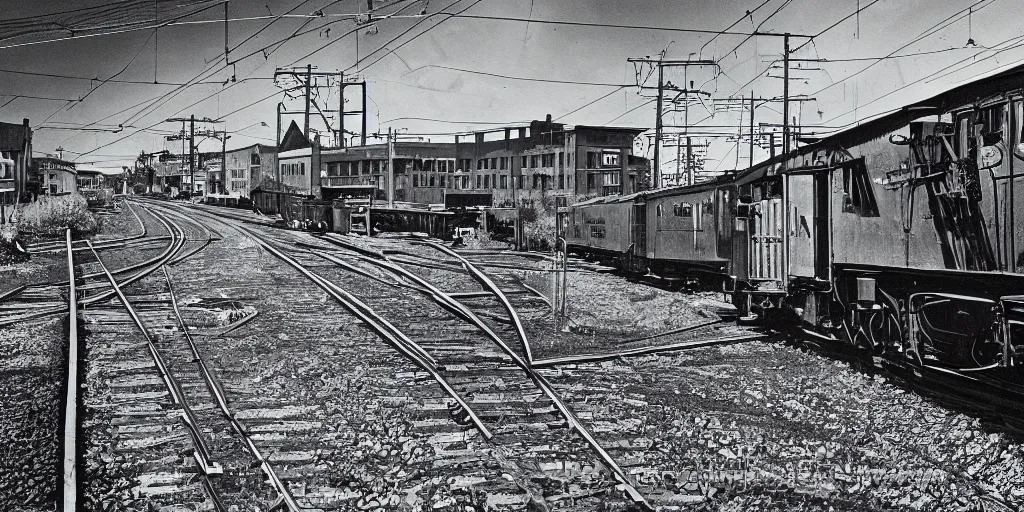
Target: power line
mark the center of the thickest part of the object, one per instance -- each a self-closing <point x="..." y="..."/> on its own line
<point x="836" y="24"/>
<point x="523" y="78"/>
<point x="113" y="32"/>
<point x="926" y="33"/>
<point x="612" y="25"/>
<point x="745" y="16"/>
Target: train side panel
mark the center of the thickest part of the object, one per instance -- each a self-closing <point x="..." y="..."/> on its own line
<point x="683" y="233"/>
<point x="601" y="228"/>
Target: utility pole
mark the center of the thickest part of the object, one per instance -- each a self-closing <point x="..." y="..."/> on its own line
<point x="658" y="124"/>
<point x="785" y="95"/>
<point x="305" y="78"/>
<point x="191" y="120"/>
<point x="658" y="129"/>
<point x="689" y="163"/>
<point x="192" y="155"/>
<point x="391" y="172"/>
<point x="750" y="162"/>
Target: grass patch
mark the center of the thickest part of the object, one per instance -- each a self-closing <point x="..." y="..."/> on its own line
<point x="49" y="216"/>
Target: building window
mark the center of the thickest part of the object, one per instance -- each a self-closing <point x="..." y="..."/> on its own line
<point x="535" y="161"/>
<point x="302" y="168"/>
<point x="610" y="158"/>
<point x="254" y="159"/>
<point x="561" y="159"/>
<point x="442" y="181"/>
<point x="415" y="180"/>
<point x="561" y="181"/>
<point x="487" y="181"/>
<point x="591" y="181"/>
<point x="494" y="163"/>
<point x="548" y="160"/>
<point x="524" y="164"/>
<point x="504" y="163"/>
<point x="478" y="180"/>
<point x="433" y="179"/>
<point x="684" y="210"/>
<point x="504" y="182"/>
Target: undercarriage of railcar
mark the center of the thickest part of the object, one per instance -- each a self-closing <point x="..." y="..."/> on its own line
<point x="969" y="323"/>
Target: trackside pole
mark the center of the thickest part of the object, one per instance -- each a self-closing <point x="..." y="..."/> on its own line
<point x="71" y="402"/>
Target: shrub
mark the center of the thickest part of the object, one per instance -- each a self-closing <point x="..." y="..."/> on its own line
<point x="11" y="250"/>
<point x="49" y="216"/>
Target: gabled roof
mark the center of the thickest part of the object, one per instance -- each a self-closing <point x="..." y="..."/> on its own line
<point x="294" y="139"/>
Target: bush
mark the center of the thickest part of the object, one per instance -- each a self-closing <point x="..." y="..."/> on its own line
<point x="49" y="216"/>
<point x="11" y="249"/>
<point x="538" y="227"/>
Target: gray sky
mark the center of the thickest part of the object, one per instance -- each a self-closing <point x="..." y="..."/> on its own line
<point x="403" y="85"/>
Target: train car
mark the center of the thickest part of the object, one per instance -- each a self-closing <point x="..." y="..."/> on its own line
<point x="689" y="232"/>
<point x="608" y="229"/>
<point x="902" y="235"/>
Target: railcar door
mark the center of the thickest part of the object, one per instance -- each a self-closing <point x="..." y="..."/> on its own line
<point x="766" y="237"/>
<point x="639" y="228"/>
<point x="808" y="230"/>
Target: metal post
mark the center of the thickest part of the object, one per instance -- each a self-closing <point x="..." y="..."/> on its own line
<point x="309" y="83"/>
<point x="689" y="163"/>
<point x="391" y="171"/>
<point x="341" y="110"/>
<point x="750" y="162"/>
<point x="192" y="155"/>
<point x="785" y="96"/>
<point x="277" y="143"/>
<point x="71" y="401"/>
<point x="657" y="131"/>
<point x="364" y="110"/>
<point x="223" y="162"/>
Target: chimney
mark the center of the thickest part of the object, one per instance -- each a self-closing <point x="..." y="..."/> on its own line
<point x="24" y="121"/>
<point x="548" y="119"/>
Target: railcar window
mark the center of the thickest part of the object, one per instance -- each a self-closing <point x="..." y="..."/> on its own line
<point x="597" y="232"/>
<point x="682" y="210"/>
<point x="1018" y="142"/>
<point x="659" y="211"/>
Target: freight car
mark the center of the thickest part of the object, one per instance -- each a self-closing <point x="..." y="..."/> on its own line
<point x="901" y="236"/>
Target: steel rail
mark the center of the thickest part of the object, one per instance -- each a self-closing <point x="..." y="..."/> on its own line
<point x="489" y="284"/>
<point x="394" y="337"/>
<point x="44" y="247"/>
<point x="463" y="311"/>
<point x="201" y="452"/>
<point x="209" y="237"/>
<point x="538" y="379"/>
<point x="222" y="403"/>
<point x="70" y="461"/>
<point x="172" y="248"/>
<point x="381" y="326"/>
<point x="653" y="349"/>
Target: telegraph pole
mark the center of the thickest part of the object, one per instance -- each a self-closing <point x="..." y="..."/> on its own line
<point x="391" y="172"/>
<point x="750" y="162"/>
<point x="658" y="129"/>
<point x="309" y="82"/>
<point x="658" y="124"/>
<point x="785" y="94"/>
<point x="192" y="155"/>
<point x="305" y="78"/>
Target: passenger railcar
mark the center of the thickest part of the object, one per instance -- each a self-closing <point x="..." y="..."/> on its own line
<point x="902" y="235"/>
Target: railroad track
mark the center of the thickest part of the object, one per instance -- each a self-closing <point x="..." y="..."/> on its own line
<point x="43" y="299"/>
<point x="486" y="386"/>
<point x="169" y="411"/>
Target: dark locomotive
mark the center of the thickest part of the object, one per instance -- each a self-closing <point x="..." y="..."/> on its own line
<point x="899" y="236"/>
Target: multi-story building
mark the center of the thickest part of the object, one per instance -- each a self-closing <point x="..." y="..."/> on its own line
<point x="244" y="170"/>
<point x="15" y="163"/>
<point x="423" y="170"/>
<point x="54" y="176"/>
<point x="298" y="163"/>
<point x="513" y="164"/>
